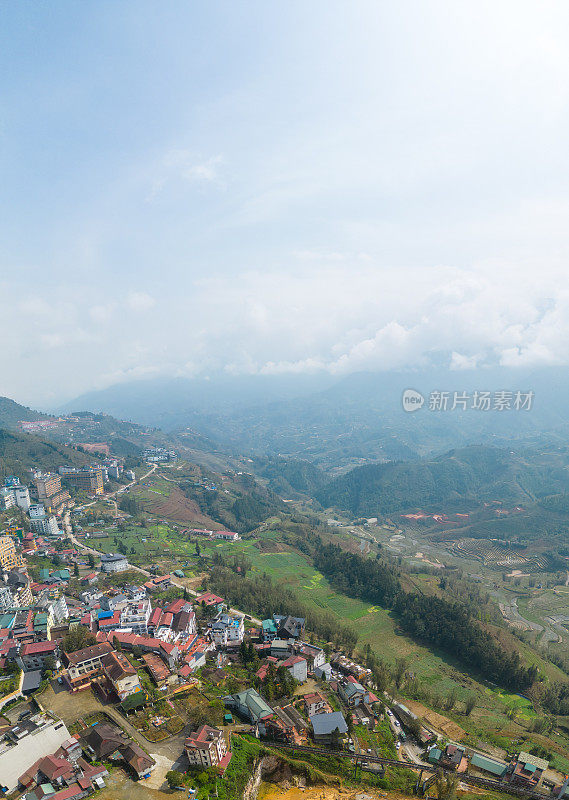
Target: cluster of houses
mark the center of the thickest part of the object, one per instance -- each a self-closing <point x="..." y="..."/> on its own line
<point x="40" y="758"/>
<point x="524" y="770"/>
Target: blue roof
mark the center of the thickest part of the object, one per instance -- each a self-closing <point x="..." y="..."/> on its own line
<point x="325" y="724"/>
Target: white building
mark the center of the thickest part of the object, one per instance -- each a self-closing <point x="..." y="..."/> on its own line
<point x="15" y="496"/>
<point x="36" y="511"/>
<point x="135" y="616"/>
<point x="46" y="526"/>
<point x="227" y="630"/>
<point x="205" y="747"/>
<point x="114" y="562"/>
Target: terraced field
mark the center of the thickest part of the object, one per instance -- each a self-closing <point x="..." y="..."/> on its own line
<point x="495" y="555"/>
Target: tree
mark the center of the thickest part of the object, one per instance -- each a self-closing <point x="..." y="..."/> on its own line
<point x="76" y="569"/>
<point x="335" y="739"/>
<point x="77" y="639"/>
<point x="174" y="778"/>
<point x="91" y="559"/>
<point x="49" y="663"/>
<point x="470" y="705"/>
<point x="399" y="671"/>
<point x="446" y="785"/>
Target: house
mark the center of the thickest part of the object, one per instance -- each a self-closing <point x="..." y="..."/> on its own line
<point x="324" y="672"/>
<point x="453" y="757"/>
<point x="315" y="656"/>
<point x="326" y="725"/>
<point x="269" y="630"/>
<point x="228" y="536"/>
<point x="297" y="667"/>
<point x="289" y="627"/>
<point x="353" y="693"/>
<point x="205" y="747"/>
<point x="84" y="665"/>
<point x="121" y="674"/>
<point x="526" y="770"/>
<point x="227" y="630"/>
<point x="33" y="656"/>
<point x="208" y="599"/>
<point x="104" y="742"/>
<point x="315" y="703"/>
<point x="249" y="705"/>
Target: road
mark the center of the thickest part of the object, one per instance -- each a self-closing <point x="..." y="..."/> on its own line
<point x="85" y="549"/>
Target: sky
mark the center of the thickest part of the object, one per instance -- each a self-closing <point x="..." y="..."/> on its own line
<point x="273" y="188"/>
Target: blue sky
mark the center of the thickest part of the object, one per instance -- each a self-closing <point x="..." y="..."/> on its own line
<point x="189" y="188"/>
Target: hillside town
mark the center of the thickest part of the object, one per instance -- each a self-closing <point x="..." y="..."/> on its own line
<point x="162" y="664"/>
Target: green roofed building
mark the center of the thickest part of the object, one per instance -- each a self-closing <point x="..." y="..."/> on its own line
<point x="486" y="764"/>
<point x="249" y="704"/>
<point x="435" y="755"/>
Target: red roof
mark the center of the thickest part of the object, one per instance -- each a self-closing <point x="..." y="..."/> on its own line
<point x="209" y="599"/>
<point x="35" y="648"/>
<point x="176" y="606"/>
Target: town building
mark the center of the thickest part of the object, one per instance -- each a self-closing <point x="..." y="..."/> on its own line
<point x="84" y="665"/>
<point x="23" y="744"/>
<point x="327" y="727"/>
<point x="35" y="655"/>
<point x="249" y="705"/>
<point x="89" y="480"/>
<point x="46" y="485"/>
<point x="297" y="667"/>
<point x="103" y="742"/>
<point x="228" y="630"/>
<point x="205" y="747"/>
<point x="114" y="562"/>
<point x="315" y="703"/>
<point x="121" y="674"/>
<point x="526" y="770"/>
<point x="289" y="627"/>
<point x="9" y="557"/>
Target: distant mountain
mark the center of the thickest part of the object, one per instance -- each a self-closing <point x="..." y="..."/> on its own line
<point x="11" y="413"/>
<point x="21" y="451"/>
<point x="452" y="480"/>
<point x="340" y="423"/>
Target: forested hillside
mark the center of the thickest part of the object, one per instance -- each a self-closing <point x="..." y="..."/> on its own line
<point x="458" y="477"/>
<point x="20" y="451"/>
<point x="11" y="413"/>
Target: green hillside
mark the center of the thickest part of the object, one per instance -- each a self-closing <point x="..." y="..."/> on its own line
<point x="457" y="478"/>
<point x="20" y="451"/>
<point x="11" y="413"/>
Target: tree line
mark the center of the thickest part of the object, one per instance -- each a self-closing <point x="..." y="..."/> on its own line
<point x="448" y="625"/>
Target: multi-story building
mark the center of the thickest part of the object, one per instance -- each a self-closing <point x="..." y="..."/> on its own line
<point x="227" y="630"/>
<point x="7" y="598"/>
<point x="205" y="747"/>
<point x="15" y="495"/>
<point x="7" y="498"/>
<point x="85" y="665"/>
<point x="113" y="562"/>
<point x="121" y="674"/>
<point x="9" y="558"/>
<point x="47" y="484"/>
<point x="33" y="655"/>
<point x="135" y="617"/>
<point x="89" y="480"/>
<point x="43" y="524"/>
